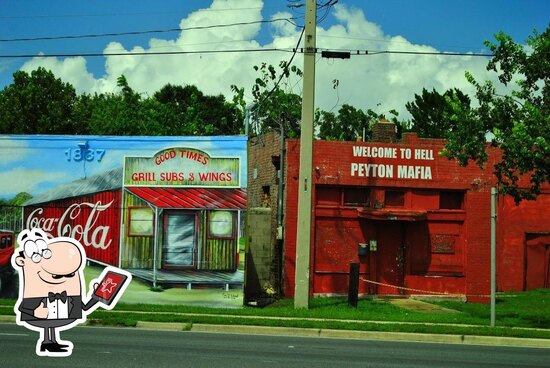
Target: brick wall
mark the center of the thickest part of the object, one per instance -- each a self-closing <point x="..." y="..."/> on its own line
<point x="261" y="171"/>
<point x="332" y="168"/>
<point x="384" y="131"/>
<point x="466" y="271"/>
<point x="515" y="224"/>
<point x="262" y="192"/>
<point x="291" y="213"/>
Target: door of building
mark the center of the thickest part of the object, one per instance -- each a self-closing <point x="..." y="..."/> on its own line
<point x="179" y="241"/>
<point x="390" y="257"/>
<point x="537" y="262"/>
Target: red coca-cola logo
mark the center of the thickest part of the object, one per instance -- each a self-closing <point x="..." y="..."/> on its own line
<point x="88" y="231"/>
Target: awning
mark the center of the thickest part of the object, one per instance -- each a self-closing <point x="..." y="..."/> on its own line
<point x="192" y="198"/>
<point x="391" y="214"/>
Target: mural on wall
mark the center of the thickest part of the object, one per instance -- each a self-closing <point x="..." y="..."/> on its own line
<point x="167" y="209"/>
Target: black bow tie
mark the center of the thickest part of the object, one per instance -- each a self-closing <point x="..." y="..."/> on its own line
<point x="55" y="296"/>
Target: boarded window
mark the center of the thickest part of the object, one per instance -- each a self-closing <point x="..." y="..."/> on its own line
<point x="328" y="196"/>
<point x="141" y="221"/>
<point x="451" y="200"/>
<point x="220" y="224"/>
<point x="394" y="198"/>
<point x="356" y="197"/>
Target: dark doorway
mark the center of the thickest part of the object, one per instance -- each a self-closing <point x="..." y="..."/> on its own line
<point x="537" y="261"/>
<point x="390" y="257"/>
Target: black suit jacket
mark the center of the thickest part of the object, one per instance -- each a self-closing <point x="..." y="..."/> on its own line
<point x="28" y="305"/>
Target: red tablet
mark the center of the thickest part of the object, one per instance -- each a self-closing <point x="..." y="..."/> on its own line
<point x="111" y="284"/>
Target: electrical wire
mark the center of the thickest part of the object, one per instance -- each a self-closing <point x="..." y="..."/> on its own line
<point x="287" y="65"/>
<point x="133" y="33"/>
<point x="295" y="3"/>
<point x="142" y="53"/>
<point x="325" y="6"/>
<point x="118" y="14"/>
<point x="432" y="53"/>
<point x="294" y="51"/>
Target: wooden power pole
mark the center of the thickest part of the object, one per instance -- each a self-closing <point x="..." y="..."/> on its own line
<point x="303" y="234"/>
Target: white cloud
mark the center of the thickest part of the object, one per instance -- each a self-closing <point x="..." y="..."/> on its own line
<point x="26" y="180"/>
<point x="72" y="70"/>
<point x="365" y="81"/>
<point x="14" y="150"/>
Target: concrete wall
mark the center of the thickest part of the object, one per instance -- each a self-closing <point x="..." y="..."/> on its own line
<point x="258" y="253"/>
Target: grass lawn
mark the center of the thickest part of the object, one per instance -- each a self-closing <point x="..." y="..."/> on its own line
<point x="520" y="309"/>
<point x="522" y="314"/>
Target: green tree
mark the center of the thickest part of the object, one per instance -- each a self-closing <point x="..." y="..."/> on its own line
<point x="126" y="113"/>
<point x="519" y="122"/>
<point x="347" y="125"/>
<point x="10" y="211"/>
<point x="431" y="112"/>
<point x="274" y="105"/>
<point x="200" y="114"/>
<point x="38" y="103"/>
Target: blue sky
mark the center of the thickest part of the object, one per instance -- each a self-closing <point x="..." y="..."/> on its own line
<point x="34" y="164"/>
<point x="380" y="82"/>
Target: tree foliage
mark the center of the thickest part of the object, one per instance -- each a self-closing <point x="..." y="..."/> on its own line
<point x="519" y="121"/>
<point x="38" y="103"/>
<point x="347" y="125"/>
<point x="199" y="114"/>
<point x="10" y="211"/>
<point x="274" y="105"/>
<point x="431" y="113"/>
<point x="127" y="113"/>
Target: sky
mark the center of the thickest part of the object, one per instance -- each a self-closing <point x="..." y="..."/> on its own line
<point x="218" y="57"/>
<point x="36" y="163"/>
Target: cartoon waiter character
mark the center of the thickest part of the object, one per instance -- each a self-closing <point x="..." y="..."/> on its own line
<point x="51" y="285"/>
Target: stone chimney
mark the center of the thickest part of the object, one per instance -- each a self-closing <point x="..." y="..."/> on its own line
<point x="384" y="131"/>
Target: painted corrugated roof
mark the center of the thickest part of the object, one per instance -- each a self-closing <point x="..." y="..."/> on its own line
<point x="211" y="198"/>
<point x="108" y="180"/>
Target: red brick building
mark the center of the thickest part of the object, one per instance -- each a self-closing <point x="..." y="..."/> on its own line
<point x="416" y="222"/>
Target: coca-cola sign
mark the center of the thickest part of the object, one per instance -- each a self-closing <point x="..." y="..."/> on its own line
<point x="73" y="223"/>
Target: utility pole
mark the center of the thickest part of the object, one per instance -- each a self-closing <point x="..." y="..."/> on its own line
<point x="305" y="185"/>
<point x="494" y="194"/>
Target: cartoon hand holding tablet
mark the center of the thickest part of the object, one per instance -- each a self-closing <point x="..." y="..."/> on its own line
<point x="112" y="285"/>
<point x="51" y="284"/>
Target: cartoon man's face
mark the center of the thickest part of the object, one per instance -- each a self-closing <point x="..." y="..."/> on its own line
<point x="53" y="267"/>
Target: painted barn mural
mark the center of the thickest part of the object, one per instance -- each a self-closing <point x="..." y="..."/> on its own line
<point x="169" y="209"/>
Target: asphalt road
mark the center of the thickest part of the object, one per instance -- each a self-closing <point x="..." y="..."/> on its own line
<point x="129" y="347"/>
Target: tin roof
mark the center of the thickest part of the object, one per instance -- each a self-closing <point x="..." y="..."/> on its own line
<point x="212" y="198"/>
<point x="108" y="180"/>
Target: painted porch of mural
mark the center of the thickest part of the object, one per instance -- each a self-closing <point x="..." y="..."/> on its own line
<point x="143" y="224"/>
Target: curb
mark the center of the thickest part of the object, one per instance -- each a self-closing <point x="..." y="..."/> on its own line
<point x="257" y="330"/>
<point x="336" y="334"/>
<point x="373" y="335"/>
<point x="165" y="326"/>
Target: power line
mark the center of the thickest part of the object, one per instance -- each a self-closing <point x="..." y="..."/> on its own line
<point x="392" y="41"/>
<point x="353" y="53"/>
<point x="117" y="14"/>
<point x="397" y="52"/>
<point x="433" y="53"/>
<point x="287" y="65"/>
<point x="142" y="53"/>
<point x="133" y="33"/>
